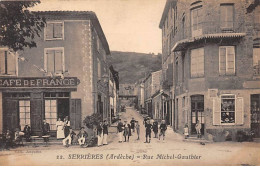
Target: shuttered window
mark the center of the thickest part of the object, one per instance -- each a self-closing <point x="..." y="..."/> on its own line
<point x="228" y="109"/>
<point x="197" y="62"/>
<point x="227" y="16"/>
<point x="54" y="60"/>
<point x="54" y="31"/>
<point x="7" y="62"/>
<point x="227" y="60"/>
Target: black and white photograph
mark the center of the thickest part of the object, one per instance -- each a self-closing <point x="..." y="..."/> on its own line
<point x="130" y="83"/>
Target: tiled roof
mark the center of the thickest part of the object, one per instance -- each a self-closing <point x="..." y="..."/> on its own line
<point x="184" y="42"/>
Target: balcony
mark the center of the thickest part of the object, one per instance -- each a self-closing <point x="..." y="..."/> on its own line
<point x="206" y="30"/>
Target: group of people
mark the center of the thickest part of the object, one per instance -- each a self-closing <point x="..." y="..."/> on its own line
<point x="10" y="139"/>
<point x="126" y="129"/>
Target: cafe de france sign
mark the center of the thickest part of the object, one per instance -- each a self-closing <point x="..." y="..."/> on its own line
<point x="38" y="82"/>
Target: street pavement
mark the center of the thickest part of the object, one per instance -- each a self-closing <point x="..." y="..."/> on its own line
<point x="171" y="151"/>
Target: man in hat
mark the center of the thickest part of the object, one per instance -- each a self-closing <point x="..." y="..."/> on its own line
<point x="45" y="130"/>
<point x="82" y="136"/>
<point x="148" y="130"/>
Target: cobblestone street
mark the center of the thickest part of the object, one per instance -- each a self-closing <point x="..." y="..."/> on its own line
<point x="172" y="151"/>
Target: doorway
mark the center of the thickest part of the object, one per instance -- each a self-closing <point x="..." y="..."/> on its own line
<point x="63" y="108"/>
<point x="255" y="115"/>
<point x="197" y="112"/>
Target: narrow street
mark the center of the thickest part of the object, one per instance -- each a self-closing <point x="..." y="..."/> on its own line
<point x="171" y="151"/>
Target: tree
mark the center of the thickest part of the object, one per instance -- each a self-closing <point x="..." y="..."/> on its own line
<point x="18" y="25"/>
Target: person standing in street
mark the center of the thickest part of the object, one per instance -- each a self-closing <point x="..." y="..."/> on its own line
<point x="127" y="131"/>
<point x="163" y="128"/>
<point x="137" y="126"/>
<point x="45" y="130"/>
<point x="66" y="126"/>
<point x="105" y="132"/>
<point x="148" y="130"/>
<point x="120" y="130"/>
<point x="132" y="122"/>
<point x="155" y="128"/>
<point x="198" y="129"/>
<point x="27" y="133"/>
<point x="60" y="129"/>
<point x="100" y="134"/>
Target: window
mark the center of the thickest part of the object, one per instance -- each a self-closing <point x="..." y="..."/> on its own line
<point x="99" y="68"/>
<point x="24" y="111"/>
<point x="256" y="56"/>
<point x="7" y="62"/>
<point x="196" y="21"/>
<point x="227" y="16"/>
<point x="177" y="71"/>
<point x="168" y="45"/>
<point x="54" y="60"/>
<point x="228" y="109"/>
<point x="257" y="15"/>
<point x="197" y="62"/>
<point x="227" y="60"/>
<point x="54" y="31"/>
<point x="51" y="113"/>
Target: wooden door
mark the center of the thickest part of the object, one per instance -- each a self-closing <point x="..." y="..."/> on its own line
<point x="255" y="115"/>
<point x="11" y="118"/>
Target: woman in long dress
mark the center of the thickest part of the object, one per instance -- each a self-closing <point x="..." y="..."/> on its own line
<point x="60" y="129"/>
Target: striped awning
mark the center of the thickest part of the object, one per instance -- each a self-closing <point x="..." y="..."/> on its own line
<point x="180" y="45"/>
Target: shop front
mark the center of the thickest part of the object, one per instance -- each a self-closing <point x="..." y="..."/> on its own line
<point x="31" y="100"/>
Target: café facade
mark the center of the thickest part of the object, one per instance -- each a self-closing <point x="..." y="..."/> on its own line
<point x="65" y="75"/>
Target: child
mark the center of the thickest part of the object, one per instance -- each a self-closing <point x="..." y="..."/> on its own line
<point x="186" y="131"/>
<point x="137" y="126"/>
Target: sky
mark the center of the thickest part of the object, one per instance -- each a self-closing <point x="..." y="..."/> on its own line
<point x="129" y="25"/>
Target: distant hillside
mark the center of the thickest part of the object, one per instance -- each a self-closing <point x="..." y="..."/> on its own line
<point x="134" y="66"/>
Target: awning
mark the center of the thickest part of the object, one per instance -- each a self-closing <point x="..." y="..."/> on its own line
<point x="180" y="45"/>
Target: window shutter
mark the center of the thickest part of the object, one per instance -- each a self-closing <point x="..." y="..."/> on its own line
<point x="230" y="60"/>
<point x="75" y="113"/>
<point x="216" y="111"/>
<point x="239" y="108"/>
<point x="58" y="61"/>
<point x="222" y="61"/>
<point x="193" y="61"/>
<point x="223" y="15"/>
<point x="11" y="64"/>
<point x="230" y="17"/>
<point x="50" y="60"/>
<point x="2" y="62"/>
<point x="58" y="30"/>
<point x="200" y="63"/>
<point x="49" y="31"/>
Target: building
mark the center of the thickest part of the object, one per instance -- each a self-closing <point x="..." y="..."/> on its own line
<point x="152" y="84"/>
<point x="64" y="76"/>
<point x="113" y="93"/>
<point x="212" y="48"/>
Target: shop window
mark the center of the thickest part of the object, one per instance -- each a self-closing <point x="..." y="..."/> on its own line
<point x="256" y="59"/>
<point x="197" y="62"/>
<point x="228" y="109"/>
<point x="54" y="60"/>
<point x="227" y="16"/>
<point x="7" y="62"/>
<point x="24" y="112"/>
<point x="54" y="31"/>
<point x="196" y="21"/>
<point x="51" y="113"/>
<point x="227" y="60"/>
